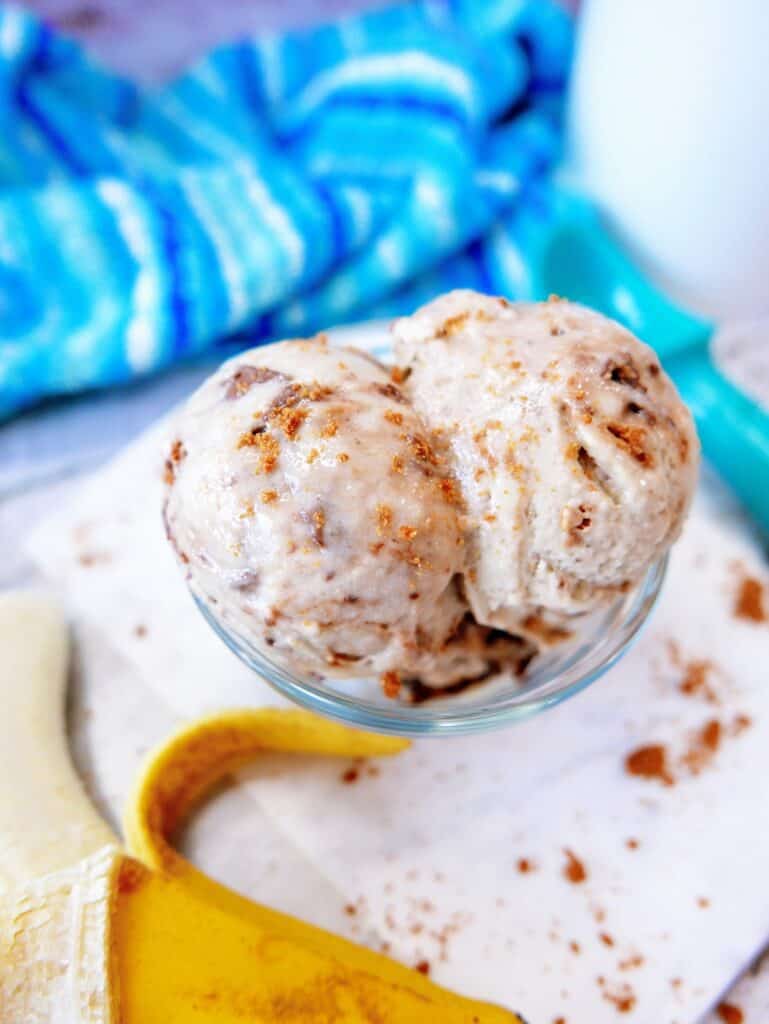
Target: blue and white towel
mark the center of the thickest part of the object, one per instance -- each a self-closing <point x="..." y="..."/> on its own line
<point x="284" y="184"/>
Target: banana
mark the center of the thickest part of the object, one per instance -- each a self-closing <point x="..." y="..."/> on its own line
<point x="55" y="945"/>
<point x="90" y="935"/>
<point x="46" y="819"/>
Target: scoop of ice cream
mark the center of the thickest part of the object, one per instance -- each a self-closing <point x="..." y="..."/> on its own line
<point x="575" y="457"/>
<point x="310" y="510"/>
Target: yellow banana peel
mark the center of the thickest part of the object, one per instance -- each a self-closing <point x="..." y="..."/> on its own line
<point x="109" y="938"/>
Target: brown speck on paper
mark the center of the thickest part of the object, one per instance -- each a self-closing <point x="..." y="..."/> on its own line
<point x="631" y="962"/>
<point x="703" y="746"/>
<point x="730" y="1013"/>
<point x="90" y="558"/>
<point x="750" y="602"/>
<point x="696" y="680"/>
<point x="622" y="997"/>
<point x="574" y="870"/>
<point x="649" y="762"/>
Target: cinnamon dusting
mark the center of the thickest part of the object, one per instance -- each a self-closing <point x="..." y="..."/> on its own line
<point x="574" y="870"/>
<point x="650" y="762"/>
<point x="749" y="604"/>
<point x="384" y="518"/>
<point x="730" y="1013"/>
<point x="391" y="684"/>
<point x="400" y="374"/>
<point x="267" y="446"/>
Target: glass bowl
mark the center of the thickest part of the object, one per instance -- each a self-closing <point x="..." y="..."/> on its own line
<point x="555" y="674"/>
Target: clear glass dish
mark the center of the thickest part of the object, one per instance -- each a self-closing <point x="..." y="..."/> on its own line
<point x="552" y="676"/>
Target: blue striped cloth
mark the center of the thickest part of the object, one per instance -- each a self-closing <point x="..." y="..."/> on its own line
<point x="284" y="184"/>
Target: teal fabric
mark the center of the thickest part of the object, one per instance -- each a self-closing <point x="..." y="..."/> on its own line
<point x="284" y="184"/>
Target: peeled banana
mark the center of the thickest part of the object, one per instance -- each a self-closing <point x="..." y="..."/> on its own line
<point x="90" y="935"/>
<point x="46" y="819"/>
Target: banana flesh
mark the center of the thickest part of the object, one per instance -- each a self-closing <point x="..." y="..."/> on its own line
<point x="55" y="935"/>
<point x="46" y="819"/>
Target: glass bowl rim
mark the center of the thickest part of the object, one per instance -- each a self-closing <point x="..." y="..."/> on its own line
<point x="442" y="718"/>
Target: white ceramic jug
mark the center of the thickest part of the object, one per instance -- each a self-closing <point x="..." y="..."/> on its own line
<point x="669" y="132"/>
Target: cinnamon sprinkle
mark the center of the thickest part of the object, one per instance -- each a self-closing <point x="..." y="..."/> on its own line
<point x="384" y="518"/>
<point x="449" y="491"/>
<point x="729" y="1013"/>
<point x="624" y="998"/>
<point x="741" y="723"/>
<point x="421" y="449"/>
<point x="749" y="604"/>
<point x="574" y="870"/>
<point x="696" y="680"/>
<point x="636" y="960"/>
<point x="649" y="762"/>
<point x="267" y="446"/>
<point x="703" y="747"/>
<point x="391" y="684"/>
<point x="178" y="451"/>
<point x="289" y="420"/>
<point x="330" y="428"/>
